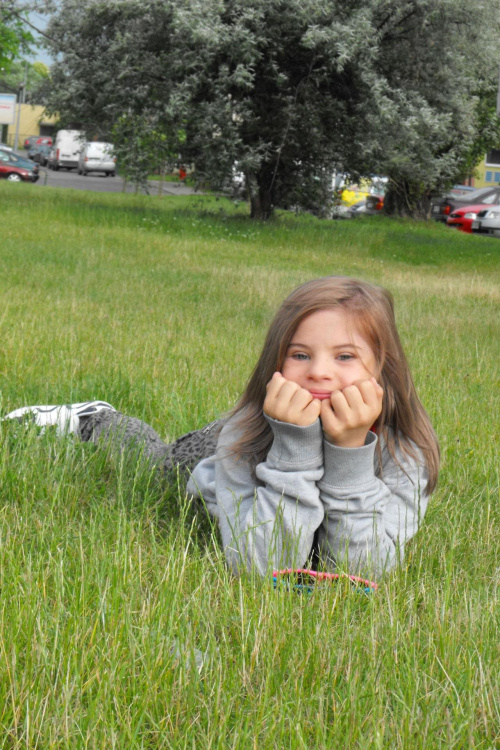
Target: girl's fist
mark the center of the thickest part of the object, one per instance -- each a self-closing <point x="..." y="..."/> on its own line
<point x="348" y="415"/>
<point x="288" y="402"/>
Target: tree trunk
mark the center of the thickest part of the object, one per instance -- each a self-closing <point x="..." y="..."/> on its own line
<point x="407" y="199"/>
<point x="261" y="204"/>
<point x="161" y="181"/>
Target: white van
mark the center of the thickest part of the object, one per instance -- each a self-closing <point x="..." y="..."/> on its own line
<point x="67" y="147"/>
<point x="97" y="156"/>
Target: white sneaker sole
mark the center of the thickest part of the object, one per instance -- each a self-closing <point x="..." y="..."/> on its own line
<point x="65" y="417"/>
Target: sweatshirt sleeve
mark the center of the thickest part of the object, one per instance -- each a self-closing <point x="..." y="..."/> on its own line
<point x="267" y="514"/>
<point x="368" y="519"/>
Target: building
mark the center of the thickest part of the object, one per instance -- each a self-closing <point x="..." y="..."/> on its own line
<point x="32" y="121"/>
<point x="487" y="173"/>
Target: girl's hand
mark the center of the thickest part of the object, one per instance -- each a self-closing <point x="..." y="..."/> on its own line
<point x="348" y="415"/>
<point x="288" y="402"/>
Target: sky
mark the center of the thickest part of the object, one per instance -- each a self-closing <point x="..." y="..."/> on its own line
<point x="40" y="54"/>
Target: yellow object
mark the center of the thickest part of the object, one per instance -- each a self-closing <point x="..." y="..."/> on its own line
<point x="353" y="194"/>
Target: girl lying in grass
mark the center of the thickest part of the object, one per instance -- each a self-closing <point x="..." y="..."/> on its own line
<point x="328" y="452"/>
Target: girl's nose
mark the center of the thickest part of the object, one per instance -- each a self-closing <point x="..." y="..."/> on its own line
<point x="320" y="369"/>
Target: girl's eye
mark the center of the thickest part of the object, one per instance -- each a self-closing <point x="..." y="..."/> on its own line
<point x="345" y="357"/>
<point x="300" y="356"/>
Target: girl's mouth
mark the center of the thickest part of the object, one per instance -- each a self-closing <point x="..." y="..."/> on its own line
<point x="321" y="395"/>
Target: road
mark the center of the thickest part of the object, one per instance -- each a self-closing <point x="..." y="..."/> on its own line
<point x="100" y="184"/>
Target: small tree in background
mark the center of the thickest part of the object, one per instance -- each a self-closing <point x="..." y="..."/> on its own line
<point x="142" y="147"/>
<point x="37" y="80"/>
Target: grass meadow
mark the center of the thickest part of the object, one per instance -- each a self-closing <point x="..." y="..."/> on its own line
<point x="120" y="626"/>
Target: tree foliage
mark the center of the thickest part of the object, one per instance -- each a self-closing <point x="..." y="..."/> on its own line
<point x="436" y="68"/>
<point x="112" y="79"/>
<point x="15" y="36"/>
<point x="37" y="80"/>
<point x="278" y="91"/>
<point x="287" y="90"/>
<point x="141" y="147"/>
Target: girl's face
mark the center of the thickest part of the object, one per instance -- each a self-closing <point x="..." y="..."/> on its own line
<point x="327" y="353"/>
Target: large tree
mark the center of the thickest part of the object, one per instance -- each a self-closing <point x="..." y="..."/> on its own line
<point x="278" y="92"/>
<point x="287" y="90"/>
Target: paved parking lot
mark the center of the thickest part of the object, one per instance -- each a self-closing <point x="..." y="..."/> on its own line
<point x="100" y="184"/>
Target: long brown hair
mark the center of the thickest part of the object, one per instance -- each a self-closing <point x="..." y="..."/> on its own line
<point x="371" y="310"/>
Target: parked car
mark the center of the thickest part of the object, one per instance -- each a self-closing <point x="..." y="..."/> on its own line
<point x="487" y="221"/>
<point x="16" y="169"/>
<point x="37" y="140"/>
<point x="40" y="153"/>
<point x="356" y="209"/>
<point x="374" y="203"/>
<point x="97" y="156"/>
<point x="30" y="141"/>
<point x="4" y="147"/>
<point x="368" y="193"/>
<point x="444" y="207"/>
<point x="68" y="145"/>
<point x="462" y="218"/>
<point x="33" y="151"/>
<point x="51" y="158"/>
<point x="462" y="189"/>
<point x="352" y="194"/>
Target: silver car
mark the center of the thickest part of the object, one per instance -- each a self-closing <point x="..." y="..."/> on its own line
<point x="488" y="222"/>
<point x="97" y="156"/>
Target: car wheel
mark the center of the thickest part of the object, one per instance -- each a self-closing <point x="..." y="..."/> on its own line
<point x="84" y="172"/>
<point x="79" y="171"/>
<point x="14" y="177"/>
<point x="112" y="174"/>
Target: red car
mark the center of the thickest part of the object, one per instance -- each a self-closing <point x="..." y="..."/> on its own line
<point x="442" y="208"/>
<point x="16" y="169"/>
<point x="462" y="218"/>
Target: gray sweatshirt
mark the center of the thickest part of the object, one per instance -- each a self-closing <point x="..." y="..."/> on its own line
<point x="269" y="514"/>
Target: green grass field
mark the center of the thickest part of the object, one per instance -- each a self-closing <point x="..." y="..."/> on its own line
<point x="112" y="590"/>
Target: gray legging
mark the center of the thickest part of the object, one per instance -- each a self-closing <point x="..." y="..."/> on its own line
<point x="139" y="439"/>
<point x="131" y="434"/>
